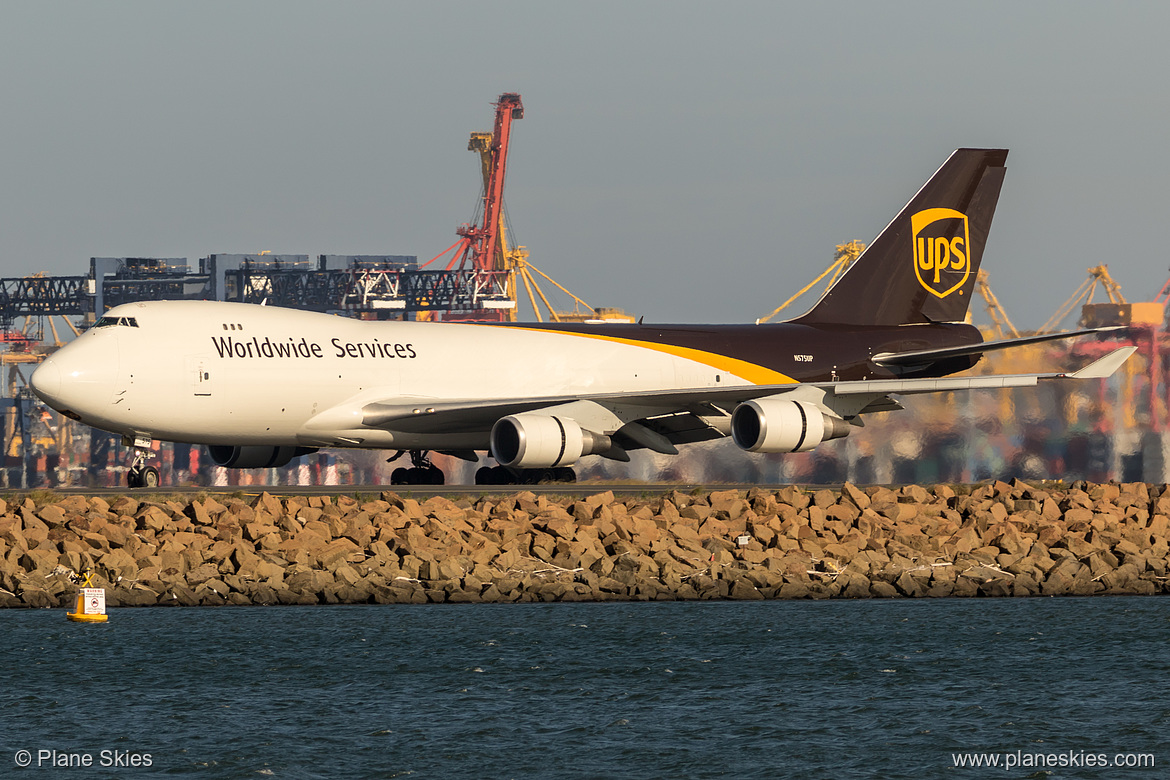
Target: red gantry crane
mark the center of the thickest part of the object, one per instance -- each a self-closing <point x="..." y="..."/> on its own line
<point x="483" y="252"/>
<point x="482" y="248"/>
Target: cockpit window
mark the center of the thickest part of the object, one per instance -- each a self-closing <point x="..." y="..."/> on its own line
<point x="105" y="322"/>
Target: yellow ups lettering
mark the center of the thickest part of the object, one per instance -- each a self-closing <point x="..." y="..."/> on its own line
<point x="941" y="242"/>
<point x="942" y="256"/>
<point x="960" y="260"/>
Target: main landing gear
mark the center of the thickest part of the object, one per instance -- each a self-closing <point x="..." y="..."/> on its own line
<point x="502" y="475"/>
<point x="421" y="471"/>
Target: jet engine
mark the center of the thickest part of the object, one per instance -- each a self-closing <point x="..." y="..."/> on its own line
<point x="255" y="457"/>
<point x="780" y="425"/>
<point x="543" y="441"/>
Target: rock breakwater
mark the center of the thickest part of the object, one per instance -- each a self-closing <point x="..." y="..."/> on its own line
<point x="994" y="539"/>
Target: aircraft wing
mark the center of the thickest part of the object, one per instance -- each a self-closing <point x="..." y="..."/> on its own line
<point x="467" y="414"/>
<point x="442" y="415"/>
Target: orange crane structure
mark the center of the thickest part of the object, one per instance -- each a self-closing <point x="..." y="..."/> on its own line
<point x="845" y="255"/>
<point x="1001" y="324"/>
<point x="483" y="248"/>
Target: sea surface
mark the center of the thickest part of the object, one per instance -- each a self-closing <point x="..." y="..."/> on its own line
<point x="830" y="689"/>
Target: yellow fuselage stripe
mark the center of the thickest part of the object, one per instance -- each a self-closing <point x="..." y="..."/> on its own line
<point x="749" y="372"/>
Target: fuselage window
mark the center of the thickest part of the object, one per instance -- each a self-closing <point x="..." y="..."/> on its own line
<point x="225" y="326"/>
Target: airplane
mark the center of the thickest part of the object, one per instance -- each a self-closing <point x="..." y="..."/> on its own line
<point x="261" y="385"/>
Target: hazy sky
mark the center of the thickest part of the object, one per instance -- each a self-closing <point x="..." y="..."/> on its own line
<point x="686" y="161"/>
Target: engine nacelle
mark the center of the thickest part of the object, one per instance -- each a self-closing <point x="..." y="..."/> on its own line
<point x="542" y="441"/>
<point x="780" y="425"/>
<point x="255" y="457"/>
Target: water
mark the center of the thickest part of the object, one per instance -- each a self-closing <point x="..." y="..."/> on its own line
<point x="837" y="689"/>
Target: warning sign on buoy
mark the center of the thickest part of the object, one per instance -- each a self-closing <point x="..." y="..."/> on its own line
<point x="91" y="605"/>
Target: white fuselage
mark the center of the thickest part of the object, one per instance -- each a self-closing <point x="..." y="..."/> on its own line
<point x="238" y="374"/>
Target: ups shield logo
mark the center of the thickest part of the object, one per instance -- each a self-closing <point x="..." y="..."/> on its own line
<point x="941" y="250"/>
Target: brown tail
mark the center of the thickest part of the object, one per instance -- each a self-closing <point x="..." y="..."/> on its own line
<point x="922" y="267"/>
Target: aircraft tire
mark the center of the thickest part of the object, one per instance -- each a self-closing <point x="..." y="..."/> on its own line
<point x="133" y="478"/>
<point x="498" y="475"/>
<point x="149" y="477"/>
<point x="427" y="475"/>
<point x="546" y="476"/>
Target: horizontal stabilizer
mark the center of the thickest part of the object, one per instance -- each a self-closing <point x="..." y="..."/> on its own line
<point x="921" y="356"/>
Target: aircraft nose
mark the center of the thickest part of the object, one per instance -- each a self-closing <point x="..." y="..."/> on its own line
<point x="79" y="377"/>
<point x="46" y="380"/>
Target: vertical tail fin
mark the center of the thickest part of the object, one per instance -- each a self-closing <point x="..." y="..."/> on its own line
<point x="922" y="267"/>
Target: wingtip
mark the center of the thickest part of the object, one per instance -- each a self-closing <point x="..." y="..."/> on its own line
<point x="1105" y="366"/>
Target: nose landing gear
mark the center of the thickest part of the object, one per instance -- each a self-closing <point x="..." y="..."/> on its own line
<point x="140" y="475"/>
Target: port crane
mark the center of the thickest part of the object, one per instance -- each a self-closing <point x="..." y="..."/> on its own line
<point x="483" y="248"/>
<point x="845" y="255"/>
<point x="1001" y="324"/>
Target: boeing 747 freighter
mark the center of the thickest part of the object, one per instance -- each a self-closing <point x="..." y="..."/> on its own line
<point x="262" y="385"/>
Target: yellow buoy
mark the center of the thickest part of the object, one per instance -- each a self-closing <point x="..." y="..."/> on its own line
<point x="91" y="605"/>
